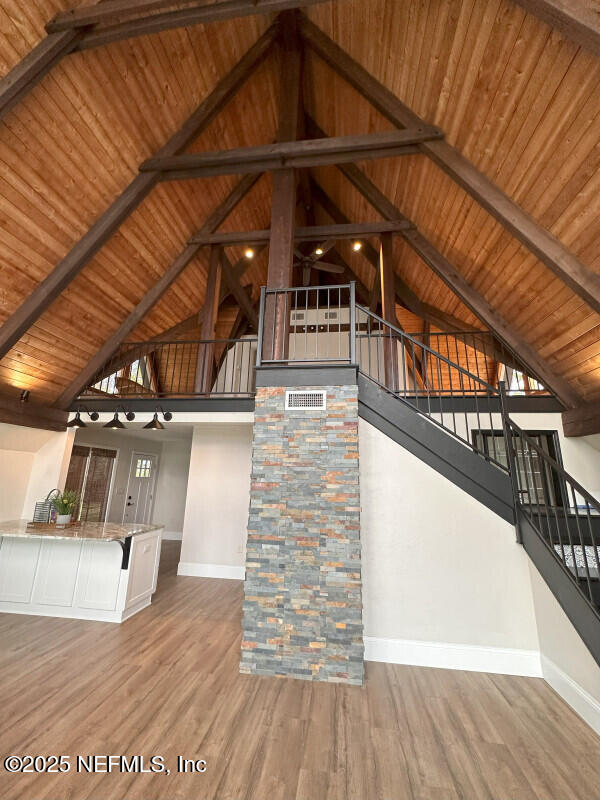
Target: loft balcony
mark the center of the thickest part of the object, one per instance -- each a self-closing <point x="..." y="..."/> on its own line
<point x="436" y="371"/>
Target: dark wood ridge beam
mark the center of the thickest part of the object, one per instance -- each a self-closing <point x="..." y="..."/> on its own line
<point x="32" y="68"/>
<point x="152" y="296"/>
<point x="582" y="421"/>
<point x="31" y="415"/>
<point x="576" y="20"/>
<point x="181" y="18"/>
<point x="315" y="234"/>
<point x="283" y="155"/>
<point x="104" y="227"/>
<point x="521" y="225"/>
<point x="406" y="297"/>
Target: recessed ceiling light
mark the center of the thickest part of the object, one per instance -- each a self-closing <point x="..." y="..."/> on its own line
<point x="249" y="253"/>
<point x="357" y="246"/>
<point x="319" y="251"/>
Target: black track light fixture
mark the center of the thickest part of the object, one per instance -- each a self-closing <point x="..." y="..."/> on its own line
<point x="155" y="424"/>
<point x="115" y="423"/>
<point x="77" y="422"/>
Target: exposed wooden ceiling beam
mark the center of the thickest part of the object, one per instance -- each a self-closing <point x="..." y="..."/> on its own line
<point x="490" y="317"/>
<point x="174" y="332"/>
<point x="452" y="278"/>
<point x="576" y="19"/>
<point x="315" y="234"/>
<point x="238" y="291"/>
<point x="440" y="319"/>
<point x="582" y="421"/>
<point x="108" y="222"/>
<point x="285" y="155"/>
<point x="31" y="415"/>
<point x="31" y="69"/>
<point x="521" y="225"/>
<point x="183" y="17"/>
<point x="152" y="296"/>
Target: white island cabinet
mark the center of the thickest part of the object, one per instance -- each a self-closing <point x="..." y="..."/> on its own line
<point x="91" y="570"/>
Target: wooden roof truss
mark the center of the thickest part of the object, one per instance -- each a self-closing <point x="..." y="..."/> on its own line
<point x="94" y="26"/>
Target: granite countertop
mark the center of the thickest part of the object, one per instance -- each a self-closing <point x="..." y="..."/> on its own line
<point x="101" y="531"/>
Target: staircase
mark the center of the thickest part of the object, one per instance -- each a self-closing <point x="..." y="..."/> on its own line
<point x="437" y="410"/>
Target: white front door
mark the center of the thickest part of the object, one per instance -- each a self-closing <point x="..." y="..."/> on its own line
<point x="140" y="488"/>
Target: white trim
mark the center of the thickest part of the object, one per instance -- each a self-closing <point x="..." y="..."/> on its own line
<point x="197" y="570"/>
<point x="576" y="696"/>
<point x="475" y="658"/>
<point x="91" y="615"/>
<point x="172" y="536"/>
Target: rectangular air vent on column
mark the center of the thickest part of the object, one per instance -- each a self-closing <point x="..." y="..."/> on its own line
<point x="308" y="399"/>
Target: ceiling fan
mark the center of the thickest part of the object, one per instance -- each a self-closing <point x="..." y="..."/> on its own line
<point x="313" y="261"/>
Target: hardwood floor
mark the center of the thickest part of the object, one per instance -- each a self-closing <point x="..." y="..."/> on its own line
<point x="166" y="683"/>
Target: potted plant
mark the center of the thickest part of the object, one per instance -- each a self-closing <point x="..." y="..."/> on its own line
<point x="64" y="503"/>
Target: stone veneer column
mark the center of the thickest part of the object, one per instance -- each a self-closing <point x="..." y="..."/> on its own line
<point x="303" y="599"/>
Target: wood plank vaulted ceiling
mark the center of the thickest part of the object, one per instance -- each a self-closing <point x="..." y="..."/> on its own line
<point x="518" y="99"/>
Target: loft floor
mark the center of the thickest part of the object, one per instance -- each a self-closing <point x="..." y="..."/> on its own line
<point x="166" y="682"/>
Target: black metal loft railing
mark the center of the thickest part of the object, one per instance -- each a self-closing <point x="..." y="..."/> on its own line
<point x="307" y="325"/>
<point x="183" y="368"/>
<point x="445" y="392"/>
<point x="563" y="514"/>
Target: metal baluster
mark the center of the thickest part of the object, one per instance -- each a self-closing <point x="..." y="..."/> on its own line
<point x="581" y="541"/>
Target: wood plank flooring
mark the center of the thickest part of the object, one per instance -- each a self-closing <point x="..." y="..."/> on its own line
<point x="166" y="683"/>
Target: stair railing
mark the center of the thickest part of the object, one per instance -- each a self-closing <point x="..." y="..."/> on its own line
<point x="562" y="513"/>
<point x="446" y="393"/>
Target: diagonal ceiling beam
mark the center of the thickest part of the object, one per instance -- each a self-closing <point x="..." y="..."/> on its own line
<point x="521" y="225"/>
<point x="459" y="287"/>
<point x="184" y="17"/>
<point x="31" y="69"/>
<point x="577" y="20"/>
<point x="174" y="332"/>
<point x="238" y="291"/>
<point x="153" y="295"/>
<point x="104" y="227"/>
<point x="452" y="278"/>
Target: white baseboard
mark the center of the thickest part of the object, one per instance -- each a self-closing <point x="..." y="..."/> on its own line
<point x="197" y="570"/>
<point x="572" y="693"/>
<point x="172" y="536"/>
<point x="474" y="658"/>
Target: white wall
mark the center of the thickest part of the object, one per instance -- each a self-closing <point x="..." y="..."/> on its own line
<point x="49" y="469"/>
<point x="15" y="472"/>
<point x="32" y="463"/>
<point x="567" y="664"/>
<point x="216" y="513"/>
<point x="439" y="567"/>
<point x="171" y="489"/>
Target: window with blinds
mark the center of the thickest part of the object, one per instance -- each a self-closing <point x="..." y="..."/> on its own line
<point x="90" y="473"/>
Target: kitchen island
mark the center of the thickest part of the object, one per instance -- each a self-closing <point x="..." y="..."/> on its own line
<point x="89" y="570"/>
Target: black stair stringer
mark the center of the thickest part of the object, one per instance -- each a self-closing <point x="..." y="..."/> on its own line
<point x="441" y="451"/>
<point x="584" y="618"/>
